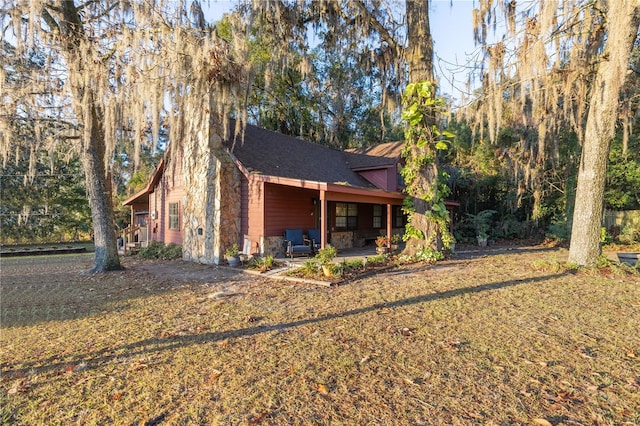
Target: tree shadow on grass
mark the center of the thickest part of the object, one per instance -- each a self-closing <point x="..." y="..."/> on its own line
<point x="470" y="251"/>
<point x="94" y="360"/>
<point x="57" y="288"/>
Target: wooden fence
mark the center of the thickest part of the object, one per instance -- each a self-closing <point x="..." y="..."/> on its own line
<point x="614" y="218"/>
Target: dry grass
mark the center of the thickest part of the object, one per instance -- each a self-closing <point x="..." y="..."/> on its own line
<point x="479" y="340"/>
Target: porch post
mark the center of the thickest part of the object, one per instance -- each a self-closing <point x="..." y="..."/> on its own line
<point x="389" y="223"/>
<point x="323" y="219"/>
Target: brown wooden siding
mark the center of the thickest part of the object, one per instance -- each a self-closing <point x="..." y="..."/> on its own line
<point x="361" y="198"/>
<point x="253" y="190"/>
<point x="288" y="207"/>
<point x="170" y="189"/>
<point x="384" y="178"/>
<point x="244" y="206"/>
<point x="155" y="205"/>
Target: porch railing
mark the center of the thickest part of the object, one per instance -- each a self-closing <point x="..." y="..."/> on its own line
<point x="129" y="240"/>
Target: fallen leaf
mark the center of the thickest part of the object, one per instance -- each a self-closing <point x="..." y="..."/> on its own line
<point x="411" y="381"/>
<point x="542" y="422"/>
<point x="322" y="389"/>
<point x="117" y="396"/>
<point x="257" y="419"/>
<point x="138" y="365"/>
<point x="215" y="375"/>
<point x="19" y="386"/>
<point x="526" y="393"/>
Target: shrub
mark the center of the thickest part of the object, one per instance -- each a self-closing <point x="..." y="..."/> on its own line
<point x="559" y="231"/>
<point x="481" y="222"/>
<point x="309" y="269"/>
<point x="351" y="265"/>
<point x="232" y="251"/>
<point x="160" y="250"/>
<point x="327" y="254"/>
<point x="428" y="254"/>
<point x="378" y="259"/>
<point x="262" y="264"/>
<point x="630" y="234"/>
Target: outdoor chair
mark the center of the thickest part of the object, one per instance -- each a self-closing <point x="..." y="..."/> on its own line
<point x="315" y="239"/>
<point x="295" y="243"/>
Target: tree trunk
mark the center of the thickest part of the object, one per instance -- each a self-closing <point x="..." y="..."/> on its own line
<point x="420" y="63"/>
<point x="98" y="185"/>
<point x="420" y="43"/>
<point x="93" y="150"/>
<point x="623" y="17"/>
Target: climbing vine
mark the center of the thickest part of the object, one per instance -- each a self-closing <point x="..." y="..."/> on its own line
<point x="423" y="140"/>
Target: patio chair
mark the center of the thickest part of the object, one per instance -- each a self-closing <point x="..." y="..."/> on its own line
<point x="315" y="239"/>
<point x="295" y="243"/>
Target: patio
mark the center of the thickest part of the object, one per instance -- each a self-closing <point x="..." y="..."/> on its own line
<point x="343" y="255"/>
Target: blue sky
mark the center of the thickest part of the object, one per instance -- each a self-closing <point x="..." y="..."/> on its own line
<point x="451" y="29"/>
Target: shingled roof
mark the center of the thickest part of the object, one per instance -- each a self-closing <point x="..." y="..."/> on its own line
<point x="390" y="150"/>
<point x="273" y="154"/>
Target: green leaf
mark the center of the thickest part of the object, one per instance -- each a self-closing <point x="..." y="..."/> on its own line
<point x="416" y="120"/>
<point x="410" y="90"/>
<point x="441" y="145"/>
<point x="424" y="89"/>
<point x="410" y="112"/>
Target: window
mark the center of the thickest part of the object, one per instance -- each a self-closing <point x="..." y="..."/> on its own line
<point x="346" y="215"/>
<point x="174" y="211"/>
<point x="377" y="216"/>
<point x="398" y="218"/>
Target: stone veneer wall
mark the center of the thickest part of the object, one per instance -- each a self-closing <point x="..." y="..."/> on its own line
<point x="211" y="207"/>
<point x="272" y="246"/>
<point x="342" y="239"/>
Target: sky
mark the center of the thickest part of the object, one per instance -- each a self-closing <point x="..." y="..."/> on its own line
<point x="451" y="29"/>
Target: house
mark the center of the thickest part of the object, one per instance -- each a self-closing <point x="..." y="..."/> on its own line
<point x="279" y="182"/>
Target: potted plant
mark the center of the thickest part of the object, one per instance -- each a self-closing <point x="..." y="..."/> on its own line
<point x="232" y="255"/>
<point x="382" y="244"/>
<point x="481" y="222"/>
<point x="452" y="245"/>
<point x="325" y="256"/>
<point x="395" y="242"/>
<point x="482" y="238"/>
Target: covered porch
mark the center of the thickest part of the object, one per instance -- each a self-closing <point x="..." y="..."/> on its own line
<point x="347" y="217"/>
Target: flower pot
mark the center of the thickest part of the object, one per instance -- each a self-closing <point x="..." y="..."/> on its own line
<point x="482" y="241"/>
<point x="629" y="258"/>
<point x="327" y="270"/>
<point x="233" y="260"/>
<point x="381" y="250"/>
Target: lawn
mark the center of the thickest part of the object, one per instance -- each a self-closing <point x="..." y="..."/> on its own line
<point x="502" y="337"/>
